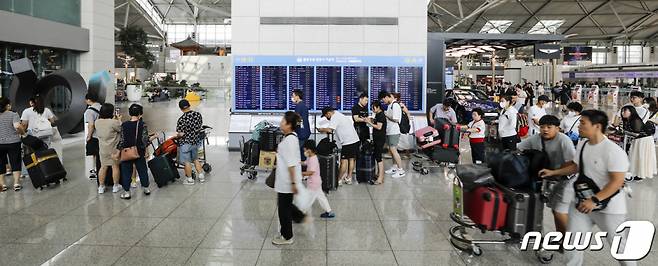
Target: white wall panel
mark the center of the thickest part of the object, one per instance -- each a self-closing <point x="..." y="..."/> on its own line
<point x="346" y="33"/>
<point x="311" y="48"/>
<point x="381" y="49"/>
<point x="276" y="8"/>
<point x="412" y="49"/>
<point x="346" y="8"/>
<point x="311" y="8"/>
<point x="245" y="8"/>
<point x="276" y="33"/>
<point x="413" y="29"/>
<point x="245" y="29"/>
<point x="312" y="33"/>
<point x="276" y="48"/>
<point x="381" y="33"/>
<point x="343" y="49"/>
<point x="413" y="8"/>
<point x="381" y="8"/>
<point x="245" y="48"/>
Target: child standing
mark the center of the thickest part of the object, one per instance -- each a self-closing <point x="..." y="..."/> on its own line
<point x="314" y="182"/>
<point x="476" y="130"/>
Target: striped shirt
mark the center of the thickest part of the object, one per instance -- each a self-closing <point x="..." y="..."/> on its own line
<point x="8" y="133"/>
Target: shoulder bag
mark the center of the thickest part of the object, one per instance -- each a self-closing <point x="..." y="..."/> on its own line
<point x="586" y="188"/>
<point x="131" y="153"/>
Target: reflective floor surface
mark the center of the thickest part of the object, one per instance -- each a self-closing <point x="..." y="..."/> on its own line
<point x="231" y="221"/>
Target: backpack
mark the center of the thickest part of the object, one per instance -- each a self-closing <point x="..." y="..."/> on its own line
<point x="327" y="146"/>
<point x="40" y="126"/>
<point x="405" y="126"/>
<point x="255" y="135"/>
<point x="522" y="127"/>
<point x="510" y="168"/>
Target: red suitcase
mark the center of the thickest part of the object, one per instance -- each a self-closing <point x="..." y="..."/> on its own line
<point x="486" y="207"/>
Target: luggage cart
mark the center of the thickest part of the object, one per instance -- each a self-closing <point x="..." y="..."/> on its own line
<point x="246" y="167"/>
<point x="173" y="151"/>
<point x="461" y="234"/>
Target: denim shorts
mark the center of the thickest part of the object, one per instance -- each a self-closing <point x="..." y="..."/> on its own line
<point x="188" y="153"/>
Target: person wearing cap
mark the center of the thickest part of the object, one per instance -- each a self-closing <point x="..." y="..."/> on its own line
<point x="637" y="101"/>
<point x="536" y="112"/>
<point x="343" y="128"/>
<point x="189" y="132"/>
<point x="560" y="151"/>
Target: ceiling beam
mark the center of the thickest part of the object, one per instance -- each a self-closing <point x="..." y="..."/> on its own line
<point x="482" y="8"/>
<point x="621" y="22"/>
<point x="121" y="5"/>
<point x="532" y="14"/>
<point x="171" y="3"/>
<point x="218" y="11"/>
<point x="461" y="10"/>
<point x="588" y="14"/>
<point x="125" y="19"/>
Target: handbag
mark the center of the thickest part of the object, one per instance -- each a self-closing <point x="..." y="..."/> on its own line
<point x="131" y="153"/>
<point x="270" y="179"/>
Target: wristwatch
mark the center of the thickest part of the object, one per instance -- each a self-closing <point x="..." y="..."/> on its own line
<point x="595" y="200"/>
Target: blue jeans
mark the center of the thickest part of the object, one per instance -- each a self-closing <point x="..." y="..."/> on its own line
<point x="127" y="172"/>
<point x="188" y="153"/>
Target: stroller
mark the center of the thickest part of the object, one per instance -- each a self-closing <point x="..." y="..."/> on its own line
<point x="169" y="147"/>
<point x="438" y="147"/>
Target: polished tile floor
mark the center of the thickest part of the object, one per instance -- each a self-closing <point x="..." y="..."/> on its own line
<point x="231" y="221"/>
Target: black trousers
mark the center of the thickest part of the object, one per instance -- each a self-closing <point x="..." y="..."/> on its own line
<point x="477" y="152"/>
<point x="509" y="143"/>
<point x="288" y="213"/>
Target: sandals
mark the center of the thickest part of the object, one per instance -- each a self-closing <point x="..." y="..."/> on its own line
<point x="4" y="188"/>
<point x="17" y="187"/>
<point x="375" y="182"/>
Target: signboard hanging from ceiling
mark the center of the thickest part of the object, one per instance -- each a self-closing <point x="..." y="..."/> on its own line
<point x="547" y="51"/>
<point x="577" y="53"/>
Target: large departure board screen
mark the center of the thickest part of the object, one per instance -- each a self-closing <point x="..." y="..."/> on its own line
<point x="265" y="83"/>
<point x="355" y="82"/>
<point x="275" y="88"/>
<point x="410" y="87"/>
<point x="381" y="79"/>
<point x="247" y="87"/>
<point x="328" y="87"/>
<point x="302" y="78"/>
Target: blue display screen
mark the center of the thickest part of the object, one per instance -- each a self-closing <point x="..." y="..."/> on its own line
<point x="302" y="78"/>
<point x="328" y="87"/>
<point x="410" y="87"/>
<point x="355" y="82"/>
<point x="275" y="88"/>
<point x="381" y="79"/>
<point x="247" y="87"/>
<point x="265" y="83"/>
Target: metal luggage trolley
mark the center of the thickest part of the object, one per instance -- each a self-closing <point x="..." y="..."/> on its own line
<point x="246" y="167"/>
<point x="173" y="153"/>
<point x="460" y="234"/>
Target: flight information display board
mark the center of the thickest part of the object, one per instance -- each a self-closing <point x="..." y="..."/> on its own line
<point x="302" y="78"/>
<point x="355" y="82"/>
<point x="410" y="87"/>
<point x="265" y="83"/>
<point x="247" y="87"/>
<point x="328" y="87"/>
<point x="381" y="79"/>
<point x="275" y="88"/>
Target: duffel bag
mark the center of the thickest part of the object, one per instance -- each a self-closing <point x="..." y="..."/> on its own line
<point x="510" y="169"/>
<point x="474" y="175"/>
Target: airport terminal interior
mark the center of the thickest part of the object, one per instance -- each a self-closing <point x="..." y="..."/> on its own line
<point x="328" y="132"/>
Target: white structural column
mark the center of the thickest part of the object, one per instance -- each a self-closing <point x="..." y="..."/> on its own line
<point x="98" y="18"/>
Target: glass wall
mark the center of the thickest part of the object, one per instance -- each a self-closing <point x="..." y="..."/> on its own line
<point x="629" y="54"/>
<point x="64" y="11"/>
<point x="209" y="35"/>
<point x="44" y="60"/>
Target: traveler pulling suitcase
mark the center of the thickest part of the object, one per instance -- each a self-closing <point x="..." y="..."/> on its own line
<point x="486" y="207"/>
<point x="270" y="138"/>
<point x="525" y="212"/>
<point x="365" y="163"/>
<point x="163" y="169"/>
<point x="44" y="167"/>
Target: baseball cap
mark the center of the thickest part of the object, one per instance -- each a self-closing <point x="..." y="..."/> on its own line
<point x="326" y="110"/>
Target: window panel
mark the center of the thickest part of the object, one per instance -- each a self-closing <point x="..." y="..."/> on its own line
<point x="546" y="26"/>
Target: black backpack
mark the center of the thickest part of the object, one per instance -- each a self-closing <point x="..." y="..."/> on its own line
<point x="405" y="126"/>
<point x="326" y="146"/>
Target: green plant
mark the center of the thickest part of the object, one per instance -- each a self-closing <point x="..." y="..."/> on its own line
<point x="133" y="43"/>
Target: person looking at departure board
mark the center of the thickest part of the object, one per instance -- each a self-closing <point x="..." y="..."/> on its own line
<point x="360" y="117"/>
<point x="304" y="131"/>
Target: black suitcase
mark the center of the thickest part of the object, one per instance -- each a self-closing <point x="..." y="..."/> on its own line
<point x="250" y="152"/>
<point x="448" y="155"/>
<point x="329" y="171"/>
<point x="525" y="211"/>
<point x="270" y="138"/>
<point x="44" y="167"/>
<point x="163" y="169"/>
<point x="365" y="164"/>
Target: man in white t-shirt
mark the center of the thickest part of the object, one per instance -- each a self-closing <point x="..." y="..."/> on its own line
<point x="394" y="115"/>
<point x="343" y="128"/>
<point x="605" y="163"/>
<point x="637" y="99"/>
<point x="535" y="113"/>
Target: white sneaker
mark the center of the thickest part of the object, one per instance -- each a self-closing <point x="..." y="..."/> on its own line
<point x="101" y="189"/>
<point x="116" y="188"/>
<point x="399" y="173"/>
<point x="188" y="181"/>
<point x="202" y="177"/>
<point x="390" y="171"/>
<point x="279" y="240"/>
<point x="147" y="191"/>
<point x="125" y="195"/>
